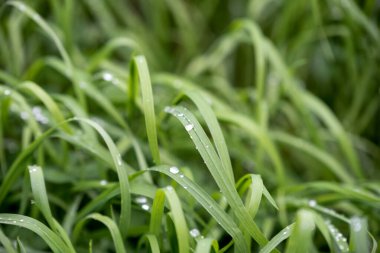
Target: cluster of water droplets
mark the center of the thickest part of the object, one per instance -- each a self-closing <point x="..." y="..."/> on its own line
<point x="340" y="240"/>
<point x="189" y="126"/>
<point x="37" y="114"/>
<point x="174" y="170"/>
<point x="108" y="77"/>
<point x="143" y="202"/>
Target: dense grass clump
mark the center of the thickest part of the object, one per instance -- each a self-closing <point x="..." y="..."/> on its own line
<point x="189" y="126"/>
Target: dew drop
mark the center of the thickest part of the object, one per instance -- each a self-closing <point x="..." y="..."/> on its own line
<point x="14" y="222"/>
<point x="119" y="161"/>
<point x="33" y="168"/>
<point x="21" y="220"/>
<point x="103" y="182"/>
<point x="174" y="170"/>
<point x="180" y="114"/>
<point x="189" y="127"/>
<point x="195" y="232"/>
<point x="312" y="203"/>
<point x="356" y="225"/>
<point x="7" y="92"/>
<point x="169" y="188"/>
<point x="168" y="109"/>
<point x="181" y="176"/>
<point x="107" y="76"/>
<point x="145" y="207"/>
<point x="141" y="200"/>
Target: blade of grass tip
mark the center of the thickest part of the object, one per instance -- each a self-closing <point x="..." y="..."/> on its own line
<point x="48" y="102"/>
<point x="113" y="44"/>
<point x="215" y="130"/>
<point x="41" y="199"/>
<point x="139" y="72"/>
<point x="224" y="220"/>
<point x="322" y="225"/>
<point x="207" y="245"/>
<point x="152" y="241"/>
<point x="277" y="239"/>
<point x="300" y="240"/>
<point x="55" y="243"/>
<point x="157" y="212"/>
<point x="115" y="233"/>
<point x="125" y="214"/>
<point x="179" y="221"/>
<point x="70" y="215"/>
<point x="20" y="246"/>
<point x="4" y="240"/>
<point x="217" y="170"/>
<point x="358" y="235"/>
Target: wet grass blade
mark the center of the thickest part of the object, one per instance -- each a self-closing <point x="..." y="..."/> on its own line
<point x="55" y="243"/>
<point x="139" y="74"/>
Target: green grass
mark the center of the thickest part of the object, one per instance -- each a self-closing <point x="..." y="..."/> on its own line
<point x="189" y="126"/>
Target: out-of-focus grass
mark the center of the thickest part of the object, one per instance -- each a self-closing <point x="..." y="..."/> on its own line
<point x="189" y="126"/>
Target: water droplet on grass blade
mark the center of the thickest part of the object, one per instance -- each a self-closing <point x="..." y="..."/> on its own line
<point x="174" y="170"/>
<point x="107" y="76"/>
<point x="145" y="207"/>
<point x="356" y="224"/>
<point x="103" y="182"/>
<point x="7" y="92"/>
<point x="312" y="203"/>
<point x="141" y="200"/>
<point x="33" y="168"/>
<point x="189" y="127"/>
<point x="194" y="232"/>
<point x="119" y="160"/>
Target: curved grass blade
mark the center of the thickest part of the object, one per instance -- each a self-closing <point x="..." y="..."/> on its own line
<point x="125" y="213"/>
<point x="215" y="130"/>
<point x="115" y="233"/>
<point x="217" y="170"/>
<point x="48" y="102"/>
<point x="206" y="245"/>
<point x="358" y="235"/>
<point x="300" y="240"/>
<point x="152" y="241"/>
<point x="41" y="200"/>
<point x="139" y="73"/>
<point x="112" y="45"/>
<point x="4" y="240"/>
<point x="53" y="240"/>
<point x="224" y="220"/>
<point x="277" y="239"/>
<point x="157" y="212"/>
<point x="178" y="219"/>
